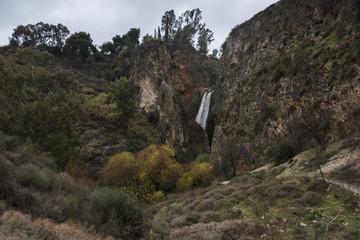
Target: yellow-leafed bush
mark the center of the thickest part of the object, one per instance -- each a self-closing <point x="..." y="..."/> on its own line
<point x="121" y="170"/>
<point x="147" y="175"/>
<point x="160" y="167"/>
<point x="197" y="175"/>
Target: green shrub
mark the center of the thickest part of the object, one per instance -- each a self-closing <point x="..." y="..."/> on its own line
<point x="318" y="185"/>
<point x="112" y="205"/>
<point x="35" y="177"/>
<point x="143" y="129"/>
<point x="281" y="191"/>
<point x="4" y="171"/>
<point x="282" y="152"/>
<point x="64" y="183"/>
<point x="311" y="199"/>
<point x="203" y="158"/>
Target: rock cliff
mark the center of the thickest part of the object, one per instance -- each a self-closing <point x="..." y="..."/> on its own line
<point x="291" y="73"/>
<point x="172" y="80"/>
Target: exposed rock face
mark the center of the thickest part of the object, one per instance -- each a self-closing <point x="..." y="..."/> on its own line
<point x="282" y="72"/>
<point x="171" y="81"/>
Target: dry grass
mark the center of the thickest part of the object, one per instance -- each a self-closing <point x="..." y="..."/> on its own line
<point x="16" y="225"/>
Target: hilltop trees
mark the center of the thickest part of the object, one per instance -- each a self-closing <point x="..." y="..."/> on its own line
<point x="126" y="41"/>
<point x="185" y="29"/>
<point x="41" y="35"/>
<point x="80" y="42"/>
<point x="168" y="21"/>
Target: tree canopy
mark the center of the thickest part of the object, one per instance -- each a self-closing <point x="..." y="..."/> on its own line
<point x="185" y="29"/>
<point x="80" y="42"/>
<point x="123" y="94"/>
<point x="41" y="35"/>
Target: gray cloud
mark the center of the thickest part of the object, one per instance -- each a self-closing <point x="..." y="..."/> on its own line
<point x="105" y="18"/>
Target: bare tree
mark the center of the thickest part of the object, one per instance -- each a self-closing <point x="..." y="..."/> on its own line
<point x="230" y="152"/>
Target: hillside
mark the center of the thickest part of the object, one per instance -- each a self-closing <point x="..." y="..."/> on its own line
<point x="283" y="202"/>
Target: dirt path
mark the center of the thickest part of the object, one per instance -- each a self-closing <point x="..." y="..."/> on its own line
<point x="341" y="160"/>
<point x="347" y="186"/>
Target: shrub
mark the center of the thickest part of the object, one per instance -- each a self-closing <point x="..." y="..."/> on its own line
<point x="4" y="171"/>
<point x="285" y="190"/>
<point x="147" y="175"/>
<point x="107" y="201"/>
<point x="64" y="183"/>
<point x="281" y="152"/>
<point x="203" y="158"/>
<point x="197" y="175"/>
<point x="318" y="185"/>
<point x="204" y="205"/>
<point x="312" y="199"/>
<point x="159" y="166"/>
<point x="98" y="108"/>
<point x="210" y="216"/>
<point x="121" y="170"/>
<point x="35" y="177"/>
<point x="142" y="128"/>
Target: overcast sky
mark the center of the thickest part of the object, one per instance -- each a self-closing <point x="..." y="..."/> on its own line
<point x="103" y="19"/>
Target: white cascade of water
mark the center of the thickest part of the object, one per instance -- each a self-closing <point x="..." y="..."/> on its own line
<point x="203" y="112"/>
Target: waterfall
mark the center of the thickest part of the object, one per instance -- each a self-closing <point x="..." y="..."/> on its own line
<point x="202" y="115"/>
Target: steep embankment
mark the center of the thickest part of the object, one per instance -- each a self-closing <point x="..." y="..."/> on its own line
<point x="290" y="74"/>
<point x="172" y="80"/>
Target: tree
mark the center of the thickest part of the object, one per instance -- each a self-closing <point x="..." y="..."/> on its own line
<point x="191" y="20"/>
<point x="41" y="35"/>
<point x="118" y="42"/>
<point x="107" y="48"/>
<point x="230" y="152"/>
<point x="167" y="23"/>
<point x="121" y="170"/>
<point x="206" y="36"/>
<point x="131" y="38"/>
<point x="184" y="29"/>
<point x="22" y="36"/>
<point x="123" y="93"/>
<point x="159" y="33"/>
<point x="80" y="42"/>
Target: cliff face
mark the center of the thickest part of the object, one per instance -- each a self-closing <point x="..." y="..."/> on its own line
<point x="291" y="73"/>
<point x="172" y="82"/>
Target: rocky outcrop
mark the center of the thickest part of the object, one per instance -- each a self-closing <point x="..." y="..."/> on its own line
<point x="291" y="73"/>
<point x="171" y="81"/>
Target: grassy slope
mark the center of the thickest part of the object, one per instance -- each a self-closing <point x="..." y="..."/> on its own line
<point x="284" y="202"/>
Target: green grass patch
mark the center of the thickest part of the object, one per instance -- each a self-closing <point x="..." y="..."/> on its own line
<point x="333" y="37"/>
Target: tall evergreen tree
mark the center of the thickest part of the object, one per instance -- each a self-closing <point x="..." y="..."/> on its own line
<point x="167" y="24"/>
